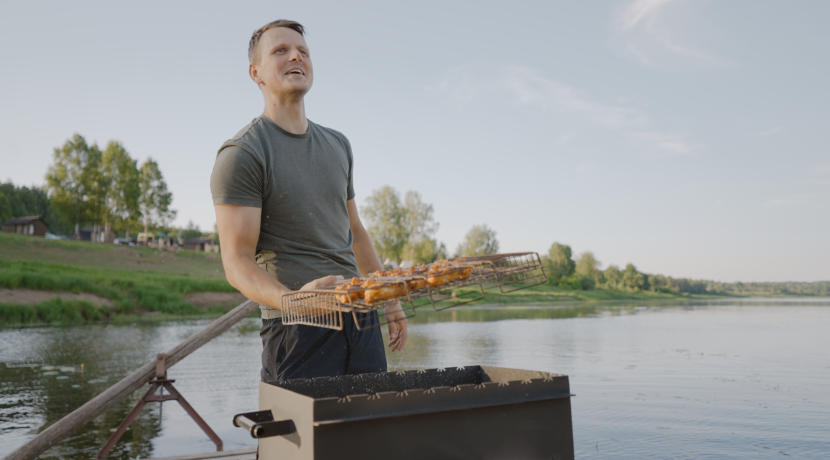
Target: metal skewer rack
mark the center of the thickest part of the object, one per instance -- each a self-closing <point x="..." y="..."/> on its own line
<point x="326" y="306"/>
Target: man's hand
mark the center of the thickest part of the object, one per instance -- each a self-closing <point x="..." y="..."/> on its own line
<point x="321" y="282"/>
<point x="367" y="262"/>
<point x="396" y="317"/>
<point x="312" y="285"/>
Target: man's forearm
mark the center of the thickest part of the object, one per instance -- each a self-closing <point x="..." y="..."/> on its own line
<point x="364" y="253"/>
<point x="253" y="282"/>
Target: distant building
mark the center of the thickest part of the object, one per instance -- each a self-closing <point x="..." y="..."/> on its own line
<point x="162" y="240"/>
<point x="201" y="245"/>
<point x="32" y="225"/>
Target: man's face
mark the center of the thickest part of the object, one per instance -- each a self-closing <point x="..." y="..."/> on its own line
<point x="284" y="67"/>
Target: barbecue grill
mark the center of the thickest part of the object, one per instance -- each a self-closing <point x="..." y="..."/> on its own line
<point x="472" y="412"/>
<point x="506" y="272"/>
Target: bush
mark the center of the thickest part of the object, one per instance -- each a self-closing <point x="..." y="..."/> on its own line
<point x="588" y="283"/>
<point x="572" y="282"/>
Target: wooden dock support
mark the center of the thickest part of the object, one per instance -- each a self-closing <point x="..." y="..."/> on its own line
<point x="58" y="431"/>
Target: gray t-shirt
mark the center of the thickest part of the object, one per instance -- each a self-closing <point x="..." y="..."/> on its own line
<point x="302" y="183"/>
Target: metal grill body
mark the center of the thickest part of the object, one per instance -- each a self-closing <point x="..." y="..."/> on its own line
<point x="473" y="412"/>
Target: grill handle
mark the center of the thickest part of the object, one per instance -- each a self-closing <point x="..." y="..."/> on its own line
<point x="261" y="424"/>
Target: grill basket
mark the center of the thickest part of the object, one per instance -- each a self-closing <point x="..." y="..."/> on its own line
<point x="326" y="306"/>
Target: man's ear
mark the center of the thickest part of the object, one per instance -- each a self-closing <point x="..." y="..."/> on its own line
<point x="253" y="72"/>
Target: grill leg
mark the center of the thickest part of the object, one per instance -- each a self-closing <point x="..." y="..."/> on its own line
<point x="190" y="411"/>
<point x="122" y="428"/>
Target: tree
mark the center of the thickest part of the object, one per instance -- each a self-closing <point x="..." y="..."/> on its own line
<point x="480" y="240"/>
<point x="612" y="277"/>
<point x="559" y="263"/>
<point x="191" y="231"/>
<point x="419" y="217"/>
<point x="587" y="271"/>
<point x="632" y="279"/>
<point x="425" y="251"/>
<point x="25" y="201"/>
<point x="5" y="208"/>
<point x="386" y="216"/>
<point x="420" y="246"/>
<point x="587" y="266"/>
<point x="121" y="188"/>
<point x="72" y="180"/>
<point x="656" y="282"/>
<point x="154" y="199"/>
<point x="34" y="201"/>
<point x="215" y="234"/>
<point x="401" y="229"/>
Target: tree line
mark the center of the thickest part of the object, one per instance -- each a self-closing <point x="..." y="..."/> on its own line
<point x="404" y="227"/>
<point x="584" y="273"/>
<point x="20" y="201"/>
<point x="89" y="186"/>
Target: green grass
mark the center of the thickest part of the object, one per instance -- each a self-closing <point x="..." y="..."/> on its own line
<point x="146" y="283"/>
<point x="137" y="280"/>
<point x="54" y="310"/>
<point x="546" y="293"/>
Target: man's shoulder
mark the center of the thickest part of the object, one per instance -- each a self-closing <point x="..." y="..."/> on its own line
<point x="249" y="138"/>
<point x="329" y="132"/>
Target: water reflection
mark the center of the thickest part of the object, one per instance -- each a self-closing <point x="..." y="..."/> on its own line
<point x="51" y="371"/>
<point x="723" y="379"/>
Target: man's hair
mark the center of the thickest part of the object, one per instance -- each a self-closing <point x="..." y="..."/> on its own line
<point x="252" y="45"/>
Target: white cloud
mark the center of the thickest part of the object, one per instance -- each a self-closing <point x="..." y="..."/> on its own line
<point x="640" y="11"/>
<point x="524" y="86"/>
<point x="769" y="132"/>
<point x="641" y="32"/>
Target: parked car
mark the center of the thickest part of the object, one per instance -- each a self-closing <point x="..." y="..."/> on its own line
<point x="52" y="236"/>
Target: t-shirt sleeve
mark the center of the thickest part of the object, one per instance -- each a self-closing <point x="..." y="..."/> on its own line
<point x="237" y="178"/>
<point x="350" y="187"/>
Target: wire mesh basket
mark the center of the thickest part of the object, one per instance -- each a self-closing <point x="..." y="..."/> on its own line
<point x="440" y="288"/>
<point x="510" y="272"/>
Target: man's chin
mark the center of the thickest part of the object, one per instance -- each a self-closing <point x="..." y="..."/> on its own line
<point x="292" y="92"/>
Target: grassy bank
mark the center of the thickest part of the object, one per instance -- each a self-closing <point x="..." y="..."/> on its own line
<point x="146" y="283"/>
<point x="545" y="294"/>
<point x="136" y="281"/>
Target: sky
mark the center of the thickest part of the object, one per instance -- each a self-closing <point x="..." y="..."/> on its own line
<point x="688" y="137"/>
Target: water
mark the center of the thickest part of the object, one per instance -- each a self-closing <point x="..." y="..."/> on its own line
<point x="708" y="380"/>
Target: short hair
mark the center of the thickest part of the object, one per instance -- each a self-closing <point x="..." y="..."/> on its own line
<point x="252" y="44"/>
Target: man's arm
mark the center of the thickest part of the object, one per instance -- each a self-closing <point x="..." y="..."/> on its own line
<point x="364" y="253"/>
<point x="239" y="231"/>
<point x="367" y="262"/>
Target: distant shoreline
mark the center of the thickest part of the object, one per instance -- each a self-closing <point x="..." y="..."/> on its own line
<point x="69" y="282"/>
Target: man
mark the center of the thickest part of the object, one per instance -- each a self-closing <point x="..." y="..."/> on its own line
<point x="284" y="200"/>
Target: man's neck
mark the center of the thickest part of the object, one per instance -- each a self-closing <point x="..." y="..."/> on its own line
<point x="288" y="116"/>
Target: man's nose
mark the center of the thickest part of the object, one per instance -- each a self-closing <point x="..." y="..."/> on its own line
<point x="296" y="56"/>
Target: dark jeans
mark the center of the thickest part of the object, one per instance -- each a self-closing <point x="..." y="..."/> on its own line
<point x="301" y="352"/>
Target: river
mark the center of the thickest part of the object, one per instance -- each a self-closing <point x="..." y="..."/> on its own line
<point x="719" y="379"/>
